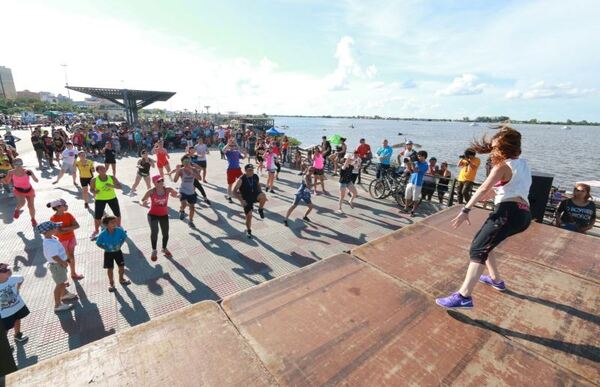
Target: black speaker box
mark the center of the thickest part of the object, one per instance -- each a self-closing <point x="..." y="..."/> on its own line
<point x="541" y="184"/>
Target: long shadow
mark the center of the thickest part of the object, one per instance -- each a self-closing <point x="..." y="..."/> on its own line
<point x="77" y="194"/>
<point x="586" y="351"/>
<point x="135" y="313"/>
<point x="7" y="208"/>
<point x="201" y="292"/>
<point x="88" y="320"/>
<point x="595" y="319"/>
<point x="298" y="231"/>
<point x="293" y="258"/>
<point x="139" y="270"/>
<point x="32" y="247"/>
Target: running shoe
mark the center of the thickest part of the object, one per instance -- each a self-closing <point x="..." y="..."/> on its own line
<point x="86" y="206"/>
<point x="261" y="212"/>
<point x="154" y="256"/>
<point x="34" y="222"/>
<point x="455" y="301"/>
<point x="20" y="337"/>
<point x="285" y="222"/>
<point x="167" y="253"/>
<point x="69" y="296"/>
<point x="230" y="200"/>
<point x="207" y="201"/>
<point x="249" y="233"/>
<point x="486" y="279"/>
<point x="16" y="214"/>
<point x="181" y="215"/>
<point x="63" y="307"/>
<point x="267" y="189"/>
<point x="306" y="219"/>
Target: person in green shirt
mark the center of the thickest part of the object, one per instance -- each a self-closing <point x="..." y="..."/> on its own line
<point x="103" y="188"/>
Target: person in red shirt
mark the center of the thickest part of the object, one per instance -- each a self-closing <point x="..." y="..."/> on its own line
<point x="159" y="214"/>
<point x="66" y="233"/>
<point x="364" y="152"/>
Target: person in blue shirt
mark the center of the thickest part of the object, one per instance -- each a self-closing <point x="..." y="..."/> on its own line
<point x="110" y="240"/>
<point x="417" y="171"/>
<point x="384" y="153"/>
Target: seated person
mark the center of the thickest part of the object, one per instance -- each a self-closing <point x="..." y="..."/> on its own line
<point x="577" y="213"/>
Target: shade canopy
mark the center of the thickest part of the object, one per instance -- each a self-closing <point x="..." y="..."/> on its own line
<point x="274" y="132"/>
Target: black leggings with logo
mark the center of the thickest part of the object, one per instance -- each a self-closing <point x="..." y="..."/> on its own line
<point x="507" y="219"/>
<point x="155" y="221"/>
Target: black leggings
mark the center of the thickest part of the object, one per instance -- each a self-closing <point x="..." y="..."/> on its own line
<point x="199" y="187"/>
<point x="155" y="221"/>
<point x="507" y="219"/>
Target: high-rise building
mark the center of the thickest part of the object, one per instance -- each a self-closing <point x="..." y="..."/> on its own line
<point x="7" y="85"/>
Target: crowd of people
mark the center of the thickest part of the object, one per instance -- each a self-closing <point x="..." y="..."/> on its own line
<point x="89" y="155"/>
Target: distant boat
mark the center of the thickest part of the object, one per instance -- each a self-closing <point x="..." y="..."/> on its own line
<point x="399" y="133"/>
<point x="351" y="126"/>
<point x="566" y="127"/>
<point x="474" y="124"/>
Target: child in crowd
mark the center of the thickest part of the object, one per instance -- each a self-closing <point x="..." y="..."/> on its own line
<point x="55" y="254"/>
<point x="12" y="306"/>
<point x="66" y="233"/>
<point x="110" y="240"/>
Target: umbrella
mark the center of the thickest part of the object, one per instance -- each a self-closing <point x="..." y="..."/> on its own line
<point x="273" y="132"/>
<point x="335" y="139"/>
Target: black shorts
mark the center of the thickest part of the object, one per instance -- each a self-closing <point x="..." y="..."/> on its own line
<point x="100" y="205"/>
<point x="250" y="204"/>
<point x="259" y="159"/>
<point x="110" y="161"/>
<point x="202" y="163"/>
<point x="191" y="199"/>
<point x="112" y="257"/>
<point x="9" y="322"/>
<point x="85" y="181"/>
<point x="318" y="172"/>
<point x="507" y="219"/>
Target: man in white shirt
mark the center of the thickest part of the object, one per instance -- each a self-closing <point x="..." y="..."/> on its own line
<point x="55" y="254"/>
<point x="69" y="155"/>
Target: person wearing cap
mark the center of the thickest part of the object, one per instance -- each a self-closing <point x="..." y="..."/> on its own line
<point x="103" y="188"/>
<point x="234" y="171"/>
<point x="248" y="191"/>
<point x="159" y="214"/>
<point x="68" y="164"/>
<point x="66" y="233"/>
<point x="417" y="171"/>
<point x="303" y="194"/>
<point x="85" y="167"/>
<point x="12" y="306"/>
<point x="407" y="152"/>
<point x="23" y="190"/>
<point x="56" y="256"/>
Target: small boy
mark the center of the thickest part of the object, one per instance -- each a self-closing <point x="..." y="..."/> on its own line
<point x="110" y="240"/>
<point x="55" y="254"/>
<point x="12" y="306"/>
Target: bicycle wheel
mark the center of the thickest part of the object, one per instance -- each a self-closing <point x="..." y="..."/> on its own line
<point x="377" y="189"/>
<point x="399" y="196"/>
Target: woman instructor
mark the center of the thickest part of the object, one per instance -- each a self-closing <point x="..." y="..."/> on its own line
<point x="508" y="183"/>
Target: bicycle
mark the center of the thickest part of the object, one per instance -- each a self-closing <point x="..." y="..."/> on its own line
<point x="385" y="185"/>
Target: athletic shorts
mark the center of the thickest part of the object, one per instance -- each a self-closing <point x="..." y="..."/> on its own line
<point x="191" y="199"/>
<point x="163" y="164"/>
<point x="346" y="185"/>
<point x="508" y="218"/>
<point x="110" y="161"/>
<point x="59" y="273"/>
<point x="413" y="192"/>
<point x="319" y="172"/>
<point x="100" y="205"/>
<point x="9" y="321"/>
<point x="69" y="244"/>
<point x="304" y="196"/>
<point x="233" y="174"/>
<point x="85" y="181"/>
<point x="271" y="170"/>
<point x="202" y="163"/>
<point x="68" y="169"/>
<point x="259" y="159"/>
<point x="112" y="257"/>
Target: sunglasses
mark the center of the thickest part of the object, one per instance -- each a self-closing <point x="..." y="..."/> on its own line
<point x="4" y="269"/>
<point x="160" y="181"/>
<point x="578" y="190"/>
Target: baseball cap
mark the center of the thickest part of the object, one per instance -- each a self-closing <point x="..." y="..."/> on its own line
<point x="248" y="166"/>
<point x="47" y="226"/>
<point x="409" y="142"/>
<point x="57" y="203"/>
<point x="156" y="178"/>
<point x="4" y="268"/>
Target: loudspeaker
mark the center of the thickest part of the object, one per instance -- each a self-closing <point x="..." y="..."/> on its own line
<point x="541" y="184"/>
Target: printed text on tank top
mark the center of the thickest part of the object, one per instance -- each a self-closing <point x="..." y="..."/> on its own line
<point x="158" y="203"/>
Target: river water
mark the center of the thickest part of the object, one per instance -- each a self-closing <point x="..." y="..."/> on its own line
<point x="570" y="155"/>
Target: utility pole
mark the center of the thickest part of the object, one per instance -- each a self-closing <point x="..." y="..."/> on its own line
<point x="207" y="106"/>
<point x="64" y="66"/>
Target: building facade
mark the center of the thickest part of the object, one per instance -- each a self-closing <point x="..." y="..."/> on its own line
<point x="7" y="84"/>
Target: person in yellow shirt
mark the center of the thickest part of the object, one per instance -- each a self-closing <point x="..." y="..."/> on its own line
<point x="468" y="165"/>
<point x="85" y="168"/>
<point x="5" y="166"/>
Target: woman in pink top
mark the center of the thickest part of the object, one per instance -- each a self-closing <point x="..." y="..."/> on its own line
<point x="270" y="166"/>
<point x="23" y="190"/>
<point x="162" y="158"/>
<point x="159" y="214"/>
<point x="318" y="165"/>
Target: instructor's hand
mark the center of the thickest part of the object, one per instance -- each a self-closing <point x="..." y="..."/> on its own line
<point x="460" y="218"/>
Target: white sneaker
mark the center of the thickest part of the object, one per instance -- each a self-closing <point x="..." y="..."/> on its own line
<point x="63" y="307"/>
<point x="69" y="296"/>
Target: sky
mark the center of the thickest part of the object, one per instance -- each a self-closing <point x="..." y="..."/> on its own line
<point x="424" y="59"/>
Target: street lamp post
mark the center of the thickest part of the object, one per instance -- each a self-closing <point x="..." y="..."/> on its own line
<point x="64" y="66"/>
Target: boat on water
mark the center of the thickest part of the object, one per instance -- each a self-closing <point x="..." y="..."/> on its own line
<point x="351" y="126"/>
<point x="474" y="124"/>
<point x="566" y="127"/>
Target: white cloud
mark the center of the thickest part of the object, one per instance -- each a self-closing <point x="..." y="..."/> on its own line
<point x="466" y="84"/>
<point x="347" y="67"/>
<point x="542" y="89"/>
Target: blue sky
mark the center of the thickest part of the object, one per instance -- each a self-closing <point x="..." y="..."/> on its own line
<point x="524" y="59"/>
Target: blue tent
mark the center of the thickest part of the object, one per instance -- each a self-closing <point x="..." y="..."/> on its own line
<point x="274" y="132"/>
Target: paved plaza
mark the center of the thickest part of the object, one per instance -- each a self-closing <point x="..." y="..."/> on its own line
<point x="211" y="261"/>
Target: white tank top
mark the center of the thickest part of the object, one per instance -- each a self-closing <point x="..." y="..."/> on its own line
<point x="519" y="184"/>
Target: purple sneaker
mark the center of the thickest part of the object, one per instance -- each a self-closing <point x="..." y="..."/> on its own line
<point x="486" y="279"/>
<point x="455" y="301"/>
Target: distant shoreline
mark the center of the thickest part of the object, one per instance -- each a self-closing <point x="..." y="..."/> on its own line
<point x="481" y="120"/>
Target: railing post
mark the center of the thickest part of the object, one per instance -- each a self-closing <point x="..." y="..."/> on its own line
<point x="451" y="197"/>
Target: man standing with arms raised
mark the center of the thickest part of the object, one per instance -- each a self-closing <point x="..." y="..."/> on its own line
<point x="233" y="155"/>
